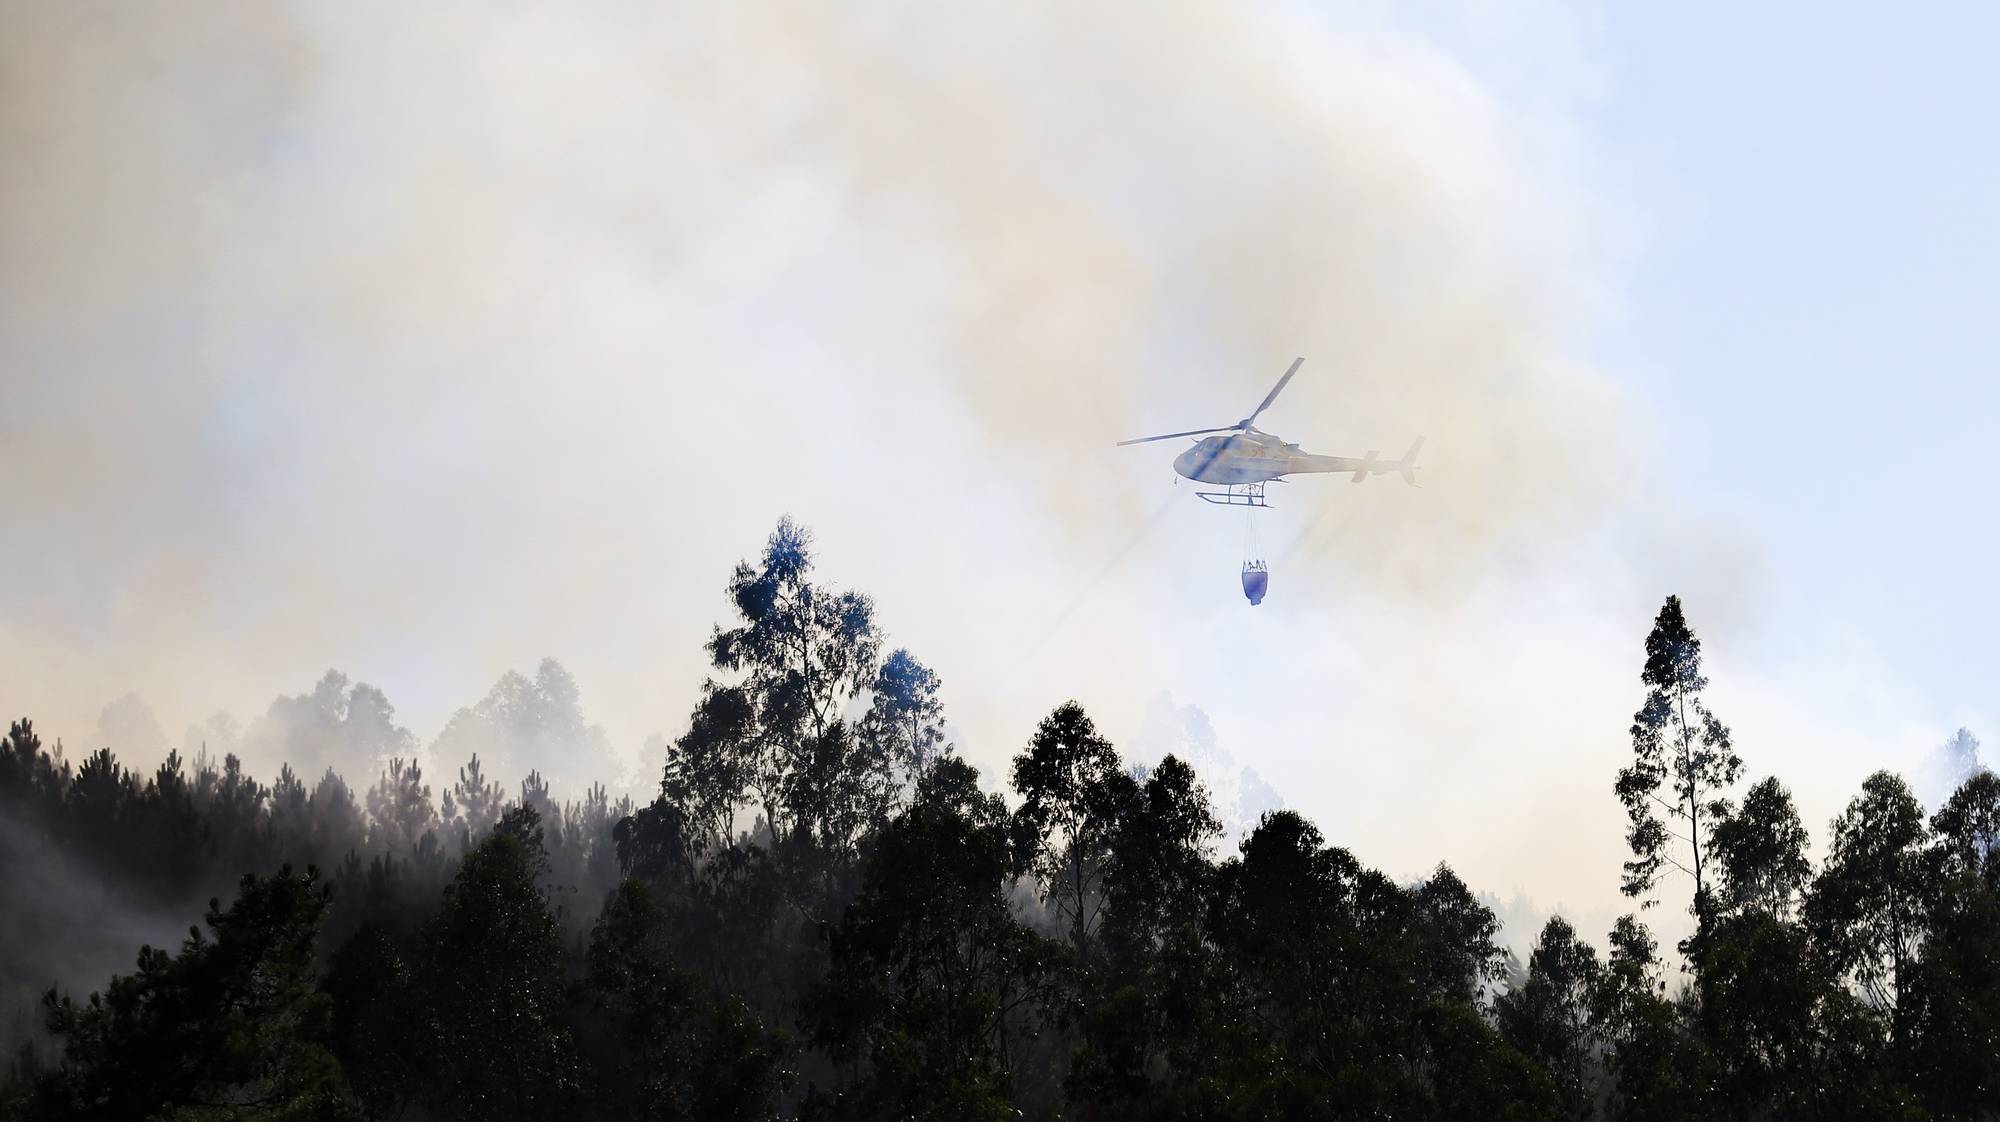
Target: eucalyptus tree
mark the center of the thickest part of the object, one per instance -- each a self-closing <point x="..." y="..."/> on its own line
<point x="1550" y="1015"/>
<point x="1074" y="796"/>
<point x="904" y="727"/>
<point x="799" y="652"/>
<point x="1761" y="850"/>
<point x="1679" y="746"/>
<point x="1867" y="907"/>
<point x="933" y="984"/>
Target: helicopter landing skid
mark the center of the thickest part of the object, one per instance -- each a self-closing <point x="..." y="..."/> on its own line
<point x="1236" y="494"/>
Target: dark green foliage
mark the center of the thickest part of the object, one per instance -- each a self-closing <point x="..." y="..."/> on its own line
<point x="493" y="974"/>
<point x="1950" y="1002"/>
<point x="1455" y="952"/>
<point x="1158" y="870"/>
<point x="377" y="1040"/>
<point x="1074" y="795"/>
<point x="1772" y="1016"/>
<point x="933" y="985"/>
<point x="1761" y="851"/>
<point x="887" y="940"/>
<point x="1327" y="953"/>
<point x="678" y="1054"/>
<point x="1549" y="1017"/>
<point x="1160" y="1005"/>
<point x="1866" y="909"/>
<point x="230" y="1027"/>
<point x="1967" y="832"/>
<point x="1657" y="1064"/>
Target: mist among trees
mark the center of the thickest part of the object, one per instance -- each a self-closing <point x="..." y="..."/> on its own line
<point x="822" y="914"/>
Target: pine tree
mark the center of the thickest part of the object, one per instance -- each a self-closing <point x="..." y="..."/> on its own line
<point x="493" y="972"/>
<point x="229" y="1027"/>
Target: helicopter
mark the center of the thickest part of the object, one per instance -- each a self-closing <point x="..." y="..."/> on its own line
<point x="1242" y="462"/>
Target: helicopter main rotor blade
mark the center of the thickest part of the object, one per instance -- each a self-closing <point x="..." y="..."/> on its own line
<point x="1275" y="391"/>
<point x="1171" y="435"/>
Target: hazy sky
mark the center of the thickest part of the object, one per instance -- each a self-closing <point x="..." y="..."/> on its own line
<point x="423" y="342"/>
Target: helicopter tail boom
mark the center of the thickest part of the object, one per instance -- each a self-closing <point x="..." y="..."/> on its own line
<point x="1359" y="468"/>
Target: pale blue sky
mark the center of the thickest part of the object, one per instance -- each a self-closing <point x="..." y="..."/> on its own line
<point x="1816" y="301"/>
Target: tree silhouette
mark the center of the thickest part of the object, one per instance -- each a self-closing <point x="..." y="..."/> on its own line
<point x="1761" y="852"/>
<point x="1073" y="797"/>
<point x="930" y="974"/>
<point x="479" y="800"/>
<point x="802" y="651"/>
<point x="493" y="971"/>
<point x="1086" y="955"/>
<point x="680" y="1055"/>
<point x="400" y="806"/>
<point x="1950" y="1003"/>
<point x="1866" y="907"/>
<point x="1456" y="952"/>
<point x="230" y="1026"/>
<point x="1677" y="743"/>
<point x="904" y="726"/>
<point x="1549" y="1017"/>
<point x="379" y="1043"/>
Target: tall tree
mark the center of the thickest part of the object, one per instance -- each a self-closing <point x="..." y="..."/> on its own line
<point x="1456" y="951"/>
<point x="679" y="1056"/>
<point x="1952" y="1002"/>
<point x="1073" y="797"/>
<point x="802" y="651"/>
<point x="1549" y="1016"/>
<point x="1659" y="1070"/>
<point x="931" y="976"/>
<point x="479" y="799"/>
<point x="1761" y="849"/>
<point x="1323" y="952"/>
<point x="338" y="724"/>
<point x="1867" y="906"/>
<point x="1967" y="830"/>
<point x="1162" y="1002"/>
<point x="291" y="819"/>
<point x="1764" y="995"/>
<point x="374" y="1033"/>
<point x="400" y="806"/>
<point x="525" y="723"/>
<point x="1158" y="873"/>
<point x="493" y="967"/>
<point x="232" y="807"/>
<point x="337" y="826"/>
<point x="1677" y="743"/>
<point x="710" y="768"/>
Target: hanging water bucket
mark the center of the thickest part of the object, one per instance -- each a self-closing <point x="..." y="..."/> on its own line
<point x="1255" y="581"/>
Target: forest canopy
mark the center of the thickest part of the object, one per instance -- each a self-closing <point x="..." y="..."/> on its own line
<point x="822" y="913"/>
